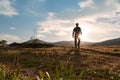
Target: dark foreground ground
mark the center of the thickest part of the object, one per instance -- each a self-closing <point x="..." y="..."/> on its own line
<point x="61" y="63"/>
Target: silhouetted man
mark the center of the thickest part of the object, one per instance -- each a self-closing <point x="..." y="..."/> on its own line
<point x="76" y="35"/>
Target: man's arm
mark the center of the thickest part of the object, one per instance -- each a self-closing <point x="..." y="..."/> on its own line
<point x="73" y="33"/>
<point x="80" y="31"/>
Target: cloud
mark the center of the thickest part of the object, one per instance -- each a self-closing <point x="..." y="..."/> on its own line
<point x="56" y="28"/>
<point x="97" y="8"/>
<point x="98" y="20"/>
<point x="12" y="28"/>
<point x="6" y="8"/>
<point x="34" y="8"/>
<point x="86" y="3"/>
<point x="110" y="19"/>
<point x="51" y="14"/>
<point x="94" y="30"/>
<point x="9" y="37"/>
<point x="40" y="36"/>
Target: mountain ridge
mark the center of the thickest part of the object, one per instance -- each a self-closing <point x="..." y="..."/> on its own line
<point x="115" y="41"/>
<point x="109" y="42"/>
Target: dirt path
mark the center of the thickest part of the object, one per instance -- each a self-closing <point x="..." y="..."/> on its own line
<point x="101" y="59"/>
<point x="90" y="59"/>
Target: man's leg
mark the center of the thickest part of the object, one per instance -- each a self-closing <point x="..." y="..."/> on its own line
<point x="78" y="42"/>
<point x="75" y="42"/>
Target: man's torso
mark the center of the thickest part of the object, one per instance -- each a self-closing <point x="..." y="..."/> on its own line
<point x="77" y="31"/>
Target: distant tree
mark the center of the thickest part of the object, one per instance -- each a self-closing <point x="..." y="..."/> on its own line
<point x="4" y="42"/>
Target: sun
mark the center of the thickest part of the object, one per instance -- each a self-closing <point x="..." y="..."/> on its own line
<point x="86" y="30"/>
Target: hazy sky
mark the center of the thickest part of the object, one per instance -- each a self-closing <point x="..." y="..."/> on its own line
<point x="54" y="20"/>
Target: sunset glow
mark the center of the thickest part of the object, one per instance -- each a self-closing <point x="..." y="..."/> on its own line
<point x="54" y="21"/>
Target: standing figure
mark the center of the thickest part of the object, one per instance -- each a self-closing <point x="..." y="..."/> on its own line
<point x="77" y="32"/>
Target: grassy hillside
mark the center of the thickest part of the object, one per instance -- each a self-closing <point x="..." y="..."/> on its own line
<point x="60" y="63"/>
<point x="109" y="42"/>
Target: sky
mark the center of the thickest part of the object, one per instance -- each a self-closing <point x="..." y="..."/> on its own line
<point x="54" y="20"/>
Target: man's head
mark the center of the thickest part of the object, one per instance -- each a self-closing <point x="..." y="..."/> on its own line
<point x="77" y="24"/>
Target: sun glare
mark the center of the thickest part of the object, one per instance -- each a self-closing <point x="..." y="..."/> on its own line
<point x="86" y="30"/>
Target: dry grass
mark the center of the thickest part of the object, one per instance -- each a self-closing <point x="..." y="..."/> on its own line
<point x="94" y="63"/>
